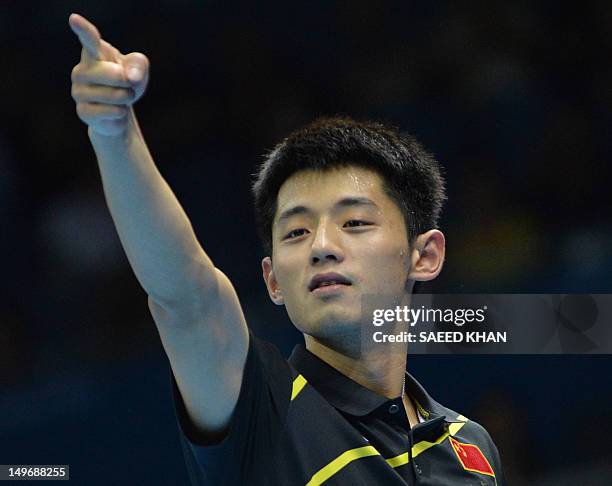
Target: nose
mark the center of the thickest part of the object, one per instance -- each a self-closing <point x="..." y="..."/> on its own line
<point x="326" y="245"/>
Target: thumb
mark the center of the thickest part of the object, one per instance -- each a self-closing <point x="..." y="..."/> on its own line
<point x="136" y="67"/>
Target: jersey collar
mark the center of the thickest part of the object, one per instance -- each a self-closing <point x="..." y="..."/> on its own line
<point x="349" y="396"/>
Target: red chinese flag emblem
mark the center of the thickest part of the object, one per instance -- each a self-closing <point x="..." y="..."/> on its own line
<point x="471" y="457"/>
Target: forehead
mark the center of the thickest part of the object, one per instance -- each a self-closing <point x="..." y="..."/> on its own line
<point x="315" y="187"/>
<point x="318" y="191"/>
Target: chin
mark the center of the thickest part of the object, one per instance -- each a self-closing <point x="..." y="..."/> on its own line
<point x="335" y="324"/>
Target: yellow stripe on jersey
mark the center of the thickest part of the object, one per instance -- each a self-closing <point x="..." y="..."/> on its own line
<point x="339" y="462"/>
<point x="422" y="446"/>
<point x="353" y="454"/>
<point x="298" y="385"/>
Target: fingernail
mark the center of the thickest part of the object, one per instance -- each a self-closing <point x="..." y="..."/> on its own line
<point x="134" y="74"/>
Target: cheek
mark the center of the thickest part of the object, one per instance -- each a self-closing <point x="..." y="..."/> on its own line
<point x="386" y="265"/>
<point x="287" y="273"/>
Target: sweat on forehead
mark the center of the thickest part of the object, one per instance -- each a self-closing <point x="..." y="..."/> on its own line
<point x="342" y="187"/>
<point x="352" y="178"/>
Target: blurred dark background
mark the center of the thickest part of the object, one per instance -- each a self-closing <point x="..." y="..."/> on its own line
<point x="514" y="98"/>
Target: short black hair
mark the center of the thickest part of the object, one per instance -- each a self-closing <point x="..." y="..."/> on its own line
<point x="412" y="177"/>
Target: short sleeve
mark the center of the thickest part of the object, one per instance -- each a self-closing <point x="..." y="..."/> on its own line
<point x="497" y="467"/>
<point x="259" y="418"/>
<point x="490" y="450"/>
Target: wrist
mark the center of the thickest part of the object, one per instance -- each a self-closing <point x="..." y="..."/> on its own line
<point x="117" y="134"/>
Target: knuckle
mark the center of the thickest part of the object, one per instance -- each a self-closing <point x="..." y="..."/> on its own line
<point x="81" y="110"/>
<point x="74" y="74"/>
<point x="89" y="112"/>
<point x="145" y="60"/>
<point x="113" y="111"/>
<point x="79" y="92"/>
<point x="123" y="95"/>
<point x="116" y="95"/>
<point x="115" y="72"/>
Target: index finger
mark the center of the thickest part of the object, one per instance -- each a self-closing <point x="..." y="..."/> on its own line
<point x="88" y="35"/>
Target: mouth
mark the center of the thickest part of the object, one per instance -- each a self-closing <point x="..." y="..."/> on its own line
<point x="328" y="282"/>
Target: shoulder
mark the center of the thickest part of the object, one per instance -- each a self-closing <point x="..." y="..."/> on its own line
<point x="464" y="431"/>
<point x="476" y="432"/>
<point x="258" y="421"/>
<point x="268" y="359"/>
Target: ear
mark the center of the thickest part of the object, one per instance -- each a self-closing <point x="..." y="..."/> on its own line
<point x="427" y="256"/>
<point x="269" y="276"/>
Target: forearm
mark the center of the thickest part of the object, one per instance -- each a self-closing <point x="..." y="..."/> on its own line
<point x="154" y="230"/>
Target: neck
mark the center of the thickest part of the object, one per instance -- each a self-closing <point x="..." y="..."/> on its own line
<point x="381" y="369"/>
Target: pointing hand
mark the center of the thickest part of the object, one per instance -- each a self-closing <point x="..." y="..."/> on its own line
<point x="105" y="83"/>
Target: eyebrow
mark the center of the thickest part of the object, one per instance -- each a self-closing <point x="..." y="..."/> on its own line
<point x="343" y="203"/>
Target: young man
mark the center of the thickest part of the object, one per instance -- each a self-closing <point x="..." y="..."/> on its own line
<point x="347" y="210"/>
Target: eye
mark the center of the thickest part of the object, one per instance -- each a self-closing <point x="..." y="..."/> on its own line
<point x="295" y="233"/>
<point x="354" y="223"/>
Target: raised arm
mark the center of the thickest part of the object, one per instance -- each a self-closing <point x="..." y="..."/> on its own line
<point x="194" y="305"/>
